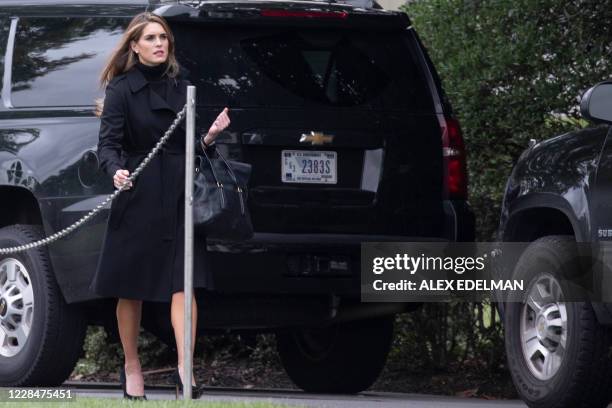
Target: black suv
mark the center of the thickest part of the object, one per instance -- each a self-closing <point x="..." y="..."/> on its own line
<point x="306" y="81"/>
<point x="558" y="201"/>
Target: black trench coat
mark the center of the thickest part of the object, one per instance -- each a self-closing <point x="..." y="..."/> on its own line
<point x="142" y="254"/>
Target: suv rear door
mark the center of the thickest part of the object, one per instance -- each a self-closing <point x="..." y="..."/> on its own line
<point x="339" y="123"/>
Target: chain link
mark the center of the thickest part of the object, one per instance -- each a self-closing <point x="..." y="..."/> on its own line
<point x="109" y="198"/>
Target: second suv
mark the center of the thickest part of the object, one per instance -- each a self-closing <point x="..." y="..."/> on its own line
<point x="558" y="201"/>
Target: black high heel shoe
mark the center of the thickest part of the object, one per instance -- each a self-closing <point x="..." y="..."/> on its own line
<point x="123" y="386"/>
<point x="196" y="392"/>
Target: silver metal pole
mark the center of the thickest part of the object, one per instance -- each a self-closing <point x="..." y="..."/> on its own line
<point x="188" y="285"/>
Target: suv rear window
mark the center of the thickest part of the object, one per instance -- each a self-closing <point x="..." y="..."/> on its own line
<point x="287" y="67"/>
<point x="57" y="61"/>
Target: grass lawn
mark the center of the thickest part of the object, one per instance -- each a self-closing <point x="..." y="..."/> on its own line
<point x="86" y="402"/>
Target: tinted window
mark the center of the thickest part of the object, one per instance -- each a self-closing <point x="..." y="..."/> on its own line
<point x="301" y="68"/>
<point x="57" y="61"/>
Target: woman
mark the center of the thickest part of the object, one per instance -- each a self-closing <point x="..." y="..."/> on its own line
<point x="142" y="255"/>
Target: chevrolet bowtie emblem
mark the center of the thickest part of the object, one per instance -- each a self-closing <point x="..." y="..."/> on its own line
<point x="316" y="138"/>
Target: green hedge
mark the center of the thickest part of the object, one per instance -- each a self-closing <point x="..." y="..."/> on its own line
<point x="513" y="70"/>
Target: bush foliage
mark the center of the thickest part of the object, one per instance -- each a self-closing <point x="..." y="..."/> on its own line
<point x="513" y="70"/>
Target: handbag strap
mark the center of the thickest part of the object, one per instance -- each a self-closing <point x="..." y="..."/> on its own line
<point x="232" y="175"/>
<point x="214" y="174"/>
<point x="231" y="171"/>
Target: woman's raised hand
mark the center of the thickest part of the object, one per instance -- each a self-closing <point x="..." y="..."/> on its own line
<point x="221" y="122"/>
<point x="121" y="177"/>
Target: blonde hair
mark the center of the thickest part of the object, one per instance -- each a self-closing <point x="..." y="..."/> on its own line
<point x="124" y="58"/>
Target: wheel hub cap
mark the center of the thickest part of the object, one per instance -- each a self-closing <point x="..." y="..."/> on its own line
<point x="3" y="307"/>
<point x="541" y="326"/>
<point x="16" y="306"/>
<point x="544" y="327"/>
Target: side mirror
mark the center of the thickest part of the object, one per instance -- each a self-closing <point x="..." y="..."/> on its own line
<point x="596" y="103"/>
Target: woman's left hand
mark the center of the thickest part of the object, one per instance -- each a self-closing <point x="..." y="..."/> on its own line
<point x="221" y="122"/>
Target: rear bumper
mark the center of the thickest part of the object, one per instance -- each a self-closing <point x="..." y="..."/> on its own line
<point x="313" y="264"/>
<point x="460" y="221"/>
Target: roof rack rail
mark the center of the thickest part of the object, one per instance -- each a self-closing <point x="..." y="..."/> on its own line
<point x="170" y="8"/>
<point x="355" y="3"/>
<point x="359" y="3"/>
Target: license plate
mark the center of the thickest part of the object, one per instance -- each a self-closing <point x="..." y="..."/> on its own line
<point x="306" y="166"/>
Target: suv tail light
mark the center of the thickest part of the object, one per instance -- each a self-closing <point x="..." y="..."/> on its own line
<point x="303" y="14"/>
<point x="454" y="159"/>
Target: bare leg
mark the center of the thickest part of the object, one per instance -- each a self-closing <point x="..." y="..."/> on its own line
<point x="177" y="315"/>
<point x="129" y="312"/>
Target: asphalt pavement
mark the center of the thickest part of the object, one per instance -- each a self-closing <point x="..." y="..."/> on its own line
<point x="299" y="398"/>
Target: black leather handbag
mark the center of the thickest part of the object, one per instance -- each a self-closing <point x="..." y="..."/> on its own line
<point x="220" y="197"/>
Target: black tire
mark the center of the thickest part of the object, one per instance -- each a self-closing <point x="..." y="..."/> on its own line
<point x="57" y="330"/>
<point x="344" y="358"/>
<point x="579" y="375"/>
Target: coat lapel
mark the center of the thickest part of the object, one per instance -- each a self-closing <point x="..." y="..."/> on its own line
<point x="156" y="102"/>
<point x="136" y="80"/>
<point x="176" y="96"/>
